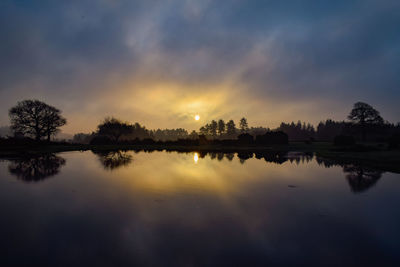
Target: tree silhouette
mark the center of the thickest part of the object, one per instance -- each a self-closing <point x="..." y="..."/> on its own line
<point x="364" y="115"/>
<point x="326" y="131"/>
<point x="272" y="138"/>
<point x="194" y="135"/>
<point x="213" y="128"/>
<point x="297" y="131"/>
<point x="35" y="118"/>
<point x="113" y="128"/>
<point x="203" y="130"/>
<point x="231" y="128"/>
<point x="171" y="134"/>
<point x="221" y="127"/>
<point x="244" y="127"/>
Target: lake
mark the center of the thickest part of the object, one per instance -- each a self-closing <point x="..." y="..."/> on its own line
<point x="126" y="208"/>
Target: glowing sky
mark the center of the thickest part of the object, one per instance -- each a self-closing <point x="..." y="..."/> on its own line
<point x="161" y="62"/>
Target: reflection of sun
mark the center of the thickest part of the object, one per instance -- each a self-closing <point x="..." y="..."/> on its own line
<point x="197" y="117"/>
<point x="196" y="157"/>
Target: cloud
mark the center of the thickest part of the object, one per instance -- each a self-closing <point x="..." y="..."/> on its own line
<point x="158" y="62"/>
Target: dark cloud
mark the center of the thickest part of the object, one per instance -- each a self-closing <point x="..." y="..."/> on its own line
<point x="291" y="51"/>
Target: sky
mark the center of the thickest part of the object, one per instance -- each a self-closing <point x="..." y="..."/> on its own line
<point x="161" y="62"/>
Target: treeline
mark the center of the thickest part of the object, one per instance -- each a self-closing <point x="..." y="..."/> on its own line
<point x="327" y="131"/>
<point x="364" y="124"/>
<point x="38" y="121"/>
<point x="221" y="130"/>
<point x="114" y="131"/>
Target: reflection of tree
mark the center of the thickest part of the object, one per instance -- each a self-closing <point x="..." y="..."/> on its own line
<point x="113" y="159"/>
<point x="230" y="156"/>
<point x="327" y="163"/>
<point x="272" y="156"/>
<point x="299" y="157"/>
<point x="213" y="155"/>
<point x="202" y="154"/>
<point x="243" y="156"/>
<point x="36" y="168"/>
<point x="359" y="178"/>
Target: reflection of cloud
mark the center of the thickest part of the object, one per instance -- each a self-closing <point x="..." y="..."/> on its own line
<point x="164" y="210"/>
<point x="36" y="168"/>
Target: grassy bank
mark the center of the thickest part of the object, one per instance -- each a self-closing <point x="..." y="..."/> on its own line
<point x="374" y="156"/>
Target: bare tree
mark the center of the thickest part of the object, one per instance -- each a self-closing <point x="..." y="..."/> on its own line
<point x="35" y="118"/>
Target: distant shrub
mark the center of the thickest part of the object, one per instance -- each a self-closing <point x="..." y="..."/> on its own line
<point x="344" y="140"/>
<point x="272" y="138"/>
<point x="82" y="138"/>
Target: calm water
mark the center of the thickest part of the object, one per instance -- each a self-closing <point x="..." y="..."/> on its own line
<point x="177" y="209"/>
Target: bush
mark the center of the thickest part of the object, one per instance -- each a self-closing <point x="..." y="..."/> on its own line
<point x="344" y="140"/>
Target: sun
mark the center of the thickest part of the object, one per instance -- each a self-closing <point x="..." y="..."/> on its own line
<point x="197" y="117"/>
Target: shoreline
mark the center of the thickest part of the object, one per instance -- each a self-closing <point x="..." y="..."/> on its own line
<point x="387" y="160"/>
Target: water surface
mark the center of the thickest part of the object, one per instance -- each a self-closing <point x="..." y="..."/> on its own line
<point x="192" y="209"/>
